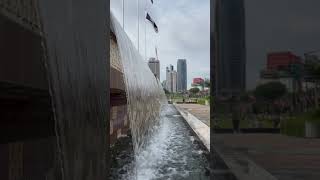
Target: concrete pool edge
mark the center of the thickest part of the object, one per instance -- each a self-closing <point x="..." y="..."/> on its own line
<point x="200" y="129"/>
<point x="233" y="161"/>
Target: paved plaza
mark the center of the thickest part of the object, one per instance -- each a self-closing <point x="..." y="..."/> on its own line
<point x="263" y="156"/>
<point x="284" y="157"/>
<point x="201" y="112"/>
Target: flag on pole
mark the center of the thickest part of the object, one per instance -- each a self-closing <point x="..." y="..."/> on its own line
<point x="152" y="22"/>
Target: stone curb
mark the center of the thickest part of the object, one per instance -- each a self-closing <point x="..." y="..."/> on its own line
<point x="200" y="128"/>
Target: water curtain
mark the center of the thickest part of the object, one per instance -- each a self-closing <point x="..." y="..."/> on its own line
<point x="145" y="94"/>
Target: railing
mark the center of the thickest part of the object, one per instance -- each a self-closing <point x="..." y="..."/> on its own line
<point x="24" y="12"/>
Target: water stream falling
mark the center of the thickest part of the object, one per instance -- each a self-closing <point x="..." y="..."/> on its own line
<point x="74" y="34"/>
<point x="173" y="152"/>
<point x="164" y="146"/>
<point x="145" y="94"/>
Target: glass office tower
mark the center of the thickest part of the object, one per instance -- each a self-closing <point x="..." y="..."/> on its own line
<point x="182" y="75"/>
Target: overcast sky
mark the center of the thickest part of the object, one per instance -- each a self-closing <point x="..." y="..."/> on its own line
<point x="271" y="25"/>
<point x="184" y="32"/>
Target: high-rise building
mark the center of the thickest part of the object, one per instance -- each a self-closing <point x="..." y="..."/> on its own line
<point x="174" y="81"/>
<point x="182" y="75"/>
<point x="167" y="78"/>
<point x="154" y="65"/>
<point x="171" y="79"/>
<point x="229" y="47"/>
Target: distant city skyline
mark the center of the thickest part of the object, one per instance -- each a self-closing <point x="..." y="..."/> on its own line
<point x="178" y="37"/>
<point x="296" y="30"/>
<point x="184" y="33"/>
<point x="171" y="83"/>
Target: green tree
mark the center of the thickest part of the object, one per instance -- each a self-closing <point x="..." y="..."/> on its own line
<point x="270" y="91"/>
<point x="313" y="69"/>
<point x="207" y="83"/>
<point x="194" y="90"/>
<point x="316" y="71"/>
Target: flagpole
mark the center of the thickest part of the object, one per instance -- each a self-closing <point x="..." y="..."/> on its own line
<point x="123" y="14"/>
<point x="138" y="28"/>
<point x="145" y="31"/>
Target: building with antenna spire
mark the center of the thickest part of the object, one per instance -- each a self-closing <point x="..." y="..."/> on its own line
<point x="154" y="65"/>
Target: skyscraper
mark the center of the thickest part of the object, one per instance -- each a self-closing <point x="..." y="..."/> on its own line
<point x="154" y="65"/>
<point x="174" y="81"/>
<point x="182" y="75"/>
<point x="171" y="79"/>
<point x="229" y="47"/>
<point x="167" y="78"/>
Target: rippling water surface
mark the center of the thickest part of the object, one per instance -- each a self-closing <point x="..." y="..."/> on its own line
<point x="173" y="152"/>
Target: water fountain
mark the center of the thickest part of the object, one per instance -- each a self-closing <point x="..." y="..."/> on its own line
<point x="164" y="145"/>
<point x="145" y="94"/>
<point x="76" y="66"/>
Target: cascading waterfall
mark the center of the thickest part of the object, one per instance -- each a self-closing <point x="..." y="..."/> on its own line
<point x="144" y="92"/>
<point x="164" y="145"/>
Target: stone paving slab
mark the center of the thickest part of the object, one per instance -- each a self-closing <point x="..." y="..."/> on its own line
<point x="283" y="157"/>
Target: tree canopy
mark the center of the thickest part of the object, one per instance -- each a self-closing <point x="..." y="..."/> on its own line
<point x="270" y="91"/>
<point x="207" y="83"/>
<point x="194" y="90"/>
<point x="313" y="69"/>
